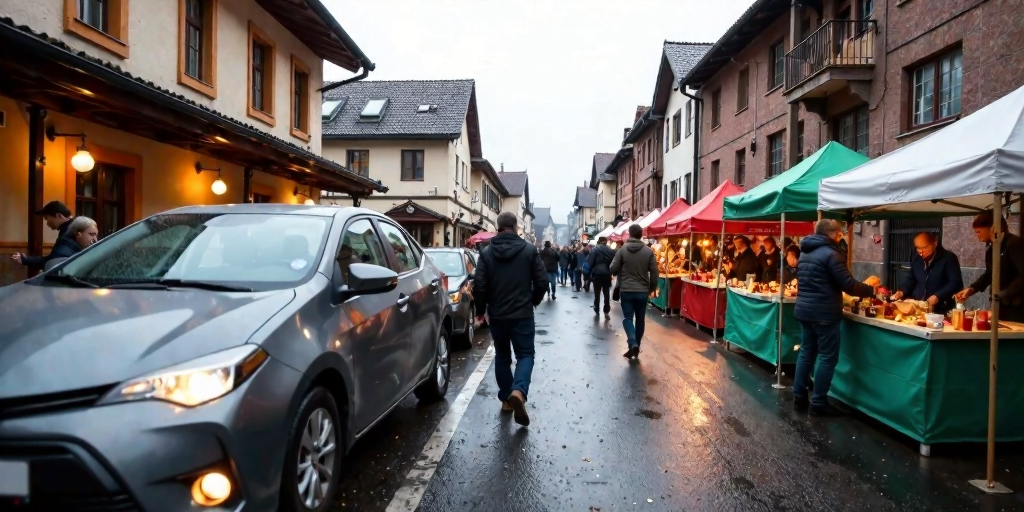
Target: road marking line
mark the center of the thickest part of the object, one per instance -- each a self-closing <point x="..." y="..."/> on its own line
<point x="408" y="497"/>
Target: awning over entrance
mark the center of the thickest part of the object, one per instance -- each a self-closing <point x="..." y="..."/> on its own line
<point x="412" y="213"/>
<point x="48" y="73"/>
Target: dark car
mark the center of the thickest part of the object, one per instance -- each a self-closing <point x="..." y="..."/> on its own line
<point x="459" y="265"/>
<point x="215" y="358"/>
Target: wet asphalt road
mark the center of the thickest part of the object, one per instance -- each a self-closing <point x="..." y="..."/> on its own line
<point x="690" y="427"/>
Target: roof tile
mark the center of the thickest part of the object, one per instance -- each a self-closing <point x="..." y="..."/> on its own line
<point x="451" y="97"/>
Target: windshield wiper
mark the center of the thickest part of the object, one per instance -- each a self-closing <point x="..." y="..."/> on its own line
<point x="179" y="283"/>
<point x="67" y="279"/>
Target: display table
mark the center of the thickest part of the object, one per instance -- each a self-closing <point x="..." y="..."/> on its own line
<point x="930" y="385"/>
<point x="670" y="290"/>
<point x="753" y="322"/>
<point x="699" y="303"/>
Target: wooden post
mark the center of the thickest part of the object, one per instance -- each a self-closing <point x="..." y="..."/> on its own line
<point x="782" y="287"/>
<point x="247" y="185"/>
<point x="36" y="165"/>
<point x="849" y="240"/>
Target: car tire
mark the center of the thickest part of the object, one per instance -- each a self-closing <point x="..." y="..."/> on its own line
<point x="465" y="340"/>
<point x="436" y="386"/>
<point x="316" y="428"/>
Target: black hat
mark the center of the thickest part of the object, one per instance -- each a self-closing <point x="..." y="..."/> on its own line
<point x="54" y="208"/>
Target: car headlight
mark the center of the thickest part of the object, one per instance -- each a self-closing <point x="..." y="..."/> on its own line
<point x="195" y="382"/>
<point x="455" y="297"/>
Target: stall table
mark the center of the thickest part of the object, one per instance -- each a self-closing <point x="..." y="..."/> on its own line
<point x="699" y="303"/>
<point x="930" y="385"/>
<point x="753" y="323"/>
<point x="669" y="293"/>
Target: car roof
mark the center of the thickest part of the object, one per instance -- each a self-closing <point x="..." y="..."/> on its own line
<point x="275" y="209"/>
<point x="443" y="249"/>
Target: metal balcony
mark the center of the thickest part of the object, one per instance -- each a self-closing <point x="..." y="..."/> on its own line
<point x="839" y="53"/>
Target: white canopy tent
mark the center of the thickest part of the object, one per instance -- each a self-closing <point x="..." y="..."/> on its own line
<point x="606" y="232"/>
<point x="953" y="171"/>
<point x="967" y="167"/>
<point x="649" y="218"/>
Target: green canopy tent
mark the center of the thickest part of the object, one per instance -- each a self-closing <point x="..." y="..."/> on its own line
<point x="790" y="196"/>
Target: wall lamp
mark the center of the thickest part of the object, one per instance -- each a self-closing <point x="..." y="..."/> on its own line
<point x="218" y="187"/>
<point x="309" y="198"/>
<point x="82" y="161"/>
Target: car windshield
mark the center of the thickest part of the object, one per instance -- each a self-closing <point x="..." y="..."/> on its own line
<point x="261" y="251"/>
<point x="450" y="262"/>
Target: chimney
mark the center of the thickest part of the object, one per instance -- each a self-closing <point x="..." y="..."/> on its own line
<point x="503" y="167"/>
<point x="625" y="132"/>
<point x="640" y="109"/>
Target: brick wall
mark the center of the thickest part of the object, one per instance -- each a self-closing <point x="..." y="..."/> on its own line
<point x="647" y="153"/>
<point x="624" y="188"/>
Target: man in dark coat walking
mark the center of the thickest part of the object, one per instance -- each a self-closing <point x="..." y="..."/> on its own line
<point x="549" y="256"/>
<point x="599" y="262"/>
<point x="502" y="293"/>
<point x="822" y="277"/>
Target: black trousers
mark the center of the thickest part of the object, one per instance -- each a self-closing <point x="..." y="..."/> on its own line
<point x="602" y="285"/>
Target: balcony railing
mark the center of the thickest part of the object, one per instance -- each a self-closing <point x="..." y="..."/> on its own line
<point x="837" y="43"/>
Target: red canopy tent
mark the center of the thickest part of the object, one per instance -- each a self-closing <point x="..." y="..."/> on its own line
<point x="658" y="226"/>
<point x="705" y="216"/>
<point x="482" y="236"/>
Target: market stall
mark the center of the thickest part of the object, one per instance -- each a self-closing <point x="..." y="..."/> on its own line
<point x="704" y="295"/>
<point x="763" y="323"/>
<point x="671" y="253"/>
<point x="970" y="166"/>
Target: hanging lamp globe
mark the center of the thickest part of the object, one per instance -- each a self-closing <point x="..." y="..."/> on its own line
<point x="83" y="161"/>
<point x="219" y="187"/>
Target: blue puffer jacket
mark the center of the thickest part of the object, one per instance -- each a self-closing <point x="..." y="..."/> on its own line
<point x="822" y="277"/>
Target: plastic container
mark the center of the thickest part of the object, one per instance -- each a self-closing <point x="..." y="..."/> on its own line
<point x="982" y="321"/>
<point x="934" y="320"/>
<point x="968" y="321"/>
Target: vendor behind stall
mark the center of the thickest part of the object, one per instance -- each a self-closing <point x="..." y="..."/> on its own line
<point x="745" y="262"/>
<point x="1011" y="270"/>
<point x="934" y="275"/>
<point x="769" y="260"/>
<point x="789" y="269"/>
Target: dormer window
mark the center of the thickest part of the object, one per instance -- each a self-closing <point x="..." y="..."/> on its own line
<point x="373" y="110"/>
<point x="330" y="108"/>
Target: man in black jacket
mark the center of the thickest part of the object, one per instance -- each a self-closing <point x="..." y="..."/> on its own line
<point x="549" y="256"/>
<point x="1011" y="269"/>
<point x="508" y="300"/>
<point x="599" y="262"/>
<point x="934" y="275"/>
<point x="57" y="217"/>
<point x="822" y="277"/>
<point x="745" y="261"/>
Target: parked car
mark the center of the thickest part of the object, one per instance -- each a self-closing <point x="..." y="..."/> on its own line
<point x="221" y="357"/>
<point x="459" y="265"/>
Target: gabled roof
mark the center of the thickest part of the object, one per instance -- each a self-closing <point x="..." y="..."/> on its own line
<point x="751" y="24"/>
<point x="645" y="122"/>
<point x="586" y="197"/>
<point x="485" y="167"/>
<point x="310" y="22"/>
<point x="621" y="156"/>
<point x="449" y="104"/>
<point x="399" y="211"/>
<point x="542" y="216"/>
<point x="598" y="169"/>
<point x="677" y="59"/>
<point x="515" y="182"/>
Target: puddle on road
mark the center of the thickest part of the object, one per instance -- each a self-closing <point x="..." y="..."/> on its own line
<point x="649" y="414"/>
<point x="737" y="426"/>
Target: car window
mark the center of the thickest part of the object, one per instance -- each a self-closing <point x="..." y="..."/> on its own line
<point x="470" y="265"/>
<point x="407" y="257"/>
<point x="360" y="244"/>
<point x="450" y="262"/>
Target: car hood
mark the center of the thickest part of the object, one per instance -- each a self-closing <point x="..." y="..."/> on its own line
<point x="56" y="339"/>
<point x="455" y="283"/>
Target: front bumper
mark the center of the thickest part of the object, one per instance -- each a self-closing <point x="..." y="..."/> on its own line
<point x="462" y="314"/>
<point x="144" y="456"/>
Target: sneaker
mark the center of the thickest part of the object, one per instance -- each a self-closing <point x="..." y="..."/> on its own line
<point x="632" y="353"/>
<point x="518" y="404"/>
<point x="800" y="403"/>
<point x="826" y="411"/>
<point x="505" y="407"/>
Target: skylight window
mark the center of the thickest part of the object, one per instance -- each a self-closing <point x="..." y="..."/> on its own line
<point x="426" y="108"/>
<point x="374" y="109"/>
<point x="330" y="108"/>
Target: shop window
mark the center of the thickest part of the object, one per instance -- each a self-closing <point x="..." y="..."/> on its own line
<point x="197" y="47"/>
<point x="936" y="89"/>
<point x="103" y="23"/>
<point x="261" y="76"/>
<point x="359" y="161"/>
<point x="300" y="100"/>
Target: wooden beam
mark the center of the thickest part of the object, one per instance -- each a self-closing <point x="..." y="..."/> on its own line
<point x="36" y="163"/>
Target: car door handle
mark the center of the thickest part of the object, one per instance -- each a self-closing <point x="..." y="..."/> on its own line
<point x="403" y="300"/>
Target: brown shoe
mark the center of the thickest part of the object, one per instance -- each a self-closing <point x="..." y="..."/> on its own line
<point x="518" y="404"/>
<point x="505" y="407"/>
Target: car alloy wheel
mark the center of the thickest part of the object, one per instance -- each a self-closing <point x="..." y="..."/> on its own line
<point x="316" y="458"/>
<point x="443" y="362"/>
<point x="434" y="389"/>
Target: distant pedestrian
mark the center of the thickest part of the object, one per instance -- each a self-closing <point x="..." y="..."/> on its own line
<point x="584" y="276"/>
<point x="581" y="263"/>
<point x="599" y="263"/>
<point x="507" y="299"/>
<point x="563" y="264"/>
<point x="549" y="256"/>
<point x="570" y="267"/>
<point x="637" y="271"/>
<point x="822" y="277"/>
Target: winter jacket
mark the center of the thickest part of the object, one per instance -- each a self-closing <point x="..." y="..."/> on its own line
<point x="64" y="247"/>
<point x="745" y="263"/>
<point x="498" y="285"/>
<point x="39" y="262"/>
<point x="769" y="266"/>
<point x="941" y="277"/>
<point x="581" y="258"/>
<point x="1011" y="271"/>
<point x="549" y="257"/>
<point x="600" y="260"/>
<point x="572" y="260"/>
<point x="636" y="267"/>
<point x="563" y="259"/>
<point x="822" y="277"/>
<point x="788" y="273"/>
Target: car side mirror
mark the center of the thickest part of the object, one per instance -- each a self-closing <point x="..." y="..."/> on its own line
<point x="366" y="279"/>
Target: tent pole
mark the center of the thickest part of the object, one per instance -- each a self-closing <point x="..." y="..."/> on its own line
<point x="721" y="252"/>
<point x="849" y="240"/>
<point x="819" y="214"/>
<point x="782" y="286"/>
<point x="682" y="289"/>
<point x="989" y="485"/>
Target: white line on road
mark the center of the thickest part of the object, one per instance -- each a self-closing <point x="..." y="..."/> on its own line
<point x="408" y="497"/>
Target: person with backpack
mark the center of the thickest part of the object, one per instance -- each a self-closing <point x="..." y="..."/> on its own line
<point x="549" y="256"/>
<point x="599" y="264"/>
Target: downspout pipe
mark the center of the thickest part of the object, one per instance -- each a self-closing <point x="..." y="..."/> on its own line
<point x="697" y="108"/>
<point x="365" y="73"/>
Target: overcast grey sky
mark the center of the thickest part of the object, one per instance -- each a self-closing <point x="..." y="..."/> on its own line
<point x="556" y="80"/>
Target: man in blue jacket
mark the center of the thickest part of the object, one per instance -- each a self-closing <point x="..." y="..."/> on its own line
<point x="934" y="275"/>
<point x="822" y="277"/>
